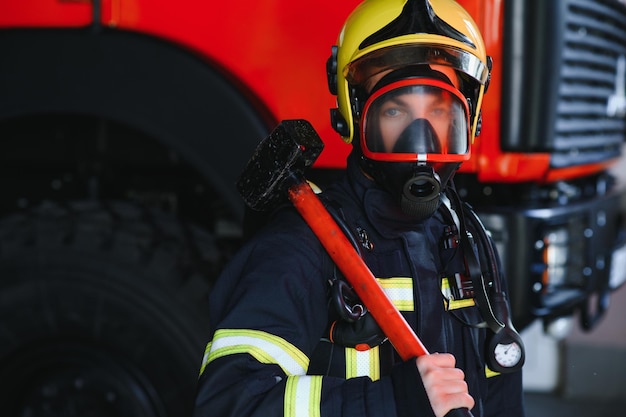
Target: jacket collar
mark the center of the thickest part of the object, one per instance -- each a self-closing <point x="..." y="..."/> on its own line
<point x="380" y="209"/>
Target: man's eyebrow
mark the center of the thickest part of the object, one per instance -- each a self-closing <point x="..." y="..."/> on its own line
<point x="398" y="100"/>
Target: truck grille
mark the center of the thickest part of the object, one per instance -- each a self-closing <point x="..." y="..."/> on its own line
<point x="566" y="77"/>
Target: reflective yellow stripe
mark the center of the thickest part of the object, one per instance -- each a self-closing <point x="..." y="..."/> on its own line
<point x="489" y="373"/>
<point x="303" y="396"/>
<point x="445" y="287"/>
<point x="449" y="302"/>
<point x="454" y="304"/>
<point x="400" y="292"/>
<point x="363" y="363"/>
<point x="264" y="347"/>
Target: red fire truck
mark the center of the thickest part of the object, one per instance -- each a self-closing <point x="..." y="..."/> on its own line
<point x="123" y="128"/>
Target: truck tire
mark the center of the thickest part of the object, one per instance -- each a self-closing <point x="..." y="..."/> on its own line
<point x="103" y="311"/>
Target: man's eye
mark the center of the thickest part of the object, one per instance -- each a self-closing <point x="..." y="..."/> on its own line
<point x="440" y="112"/>
<point x="391" y="112"/>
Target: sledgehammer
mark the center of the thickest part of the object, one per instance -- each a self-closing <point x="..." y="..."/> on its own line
<point x="274" y="174"/>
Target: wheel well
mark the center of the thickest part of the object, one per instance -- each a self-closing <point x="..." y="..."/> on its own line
<point x="112" y="107"/>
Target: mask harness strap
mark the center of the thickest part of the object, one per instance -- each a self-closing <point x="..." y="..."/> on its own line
<point x="489" y="295"/>
<point x="481" y="290"/>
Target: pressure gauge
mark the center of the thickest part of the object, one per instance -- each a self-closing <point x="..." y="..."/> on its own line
<point x="508" y="355"/>
<point x="504" y="351"/>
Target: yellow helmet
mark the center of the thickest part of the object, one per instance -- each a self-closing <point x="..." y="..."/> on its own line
<point x="386" y="35"/>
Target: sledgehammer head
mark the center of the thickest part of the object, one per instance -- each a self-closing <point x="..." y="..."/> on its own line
<point x="277" y="163"/>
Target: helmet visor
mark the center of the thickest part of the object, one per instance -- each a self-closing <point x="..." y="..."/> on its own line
<point x="400" y="56"/>
<point x="416" y="120"/>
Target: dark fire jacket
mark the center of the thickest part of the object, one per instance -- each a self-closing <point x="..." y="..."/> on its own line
<point x="270" y="352"/>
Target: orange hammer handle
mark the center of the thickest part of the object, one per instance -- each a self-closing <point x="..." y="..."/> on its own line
<point x="393" y="324"/>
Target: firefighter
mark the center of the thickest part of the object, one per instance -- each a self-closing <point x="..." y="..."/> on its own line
<point x="289" y="336"/>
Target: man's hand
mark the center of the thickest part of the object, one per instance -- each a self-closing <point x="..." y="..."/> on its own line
<point x="445" y="385"/>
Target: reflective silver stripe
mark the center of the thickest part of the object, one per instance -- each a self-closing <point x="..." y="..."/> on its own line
<point x="205" y="358"/>
<point x="363" y="363"/>
<point x="400" y="292"/>
<point x="303" y="396"/>
<point x="264" y="347"/>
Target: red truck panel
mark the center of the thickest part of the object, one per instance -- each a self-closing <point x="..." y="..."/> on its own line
<point x="276" y="51"/>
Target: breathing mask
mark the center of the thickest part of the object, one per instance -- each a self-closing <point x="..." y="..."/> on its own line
<point x="414" y="135"/>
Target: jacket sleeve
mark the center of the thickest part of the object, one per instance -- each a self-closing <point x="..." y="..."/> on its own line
<point x="270" y="309"/>
<point x="506" y="396"/>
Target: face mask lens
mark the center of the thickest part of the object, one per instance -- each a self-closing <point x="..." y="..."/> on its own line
<point x="415" y="119"/>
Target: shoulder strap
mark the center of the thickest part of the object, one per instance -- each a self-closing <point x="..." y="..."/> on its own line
<point x="354" y="326"/>
<point x="493" y="302"/>
<point x="473" y="260"/>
